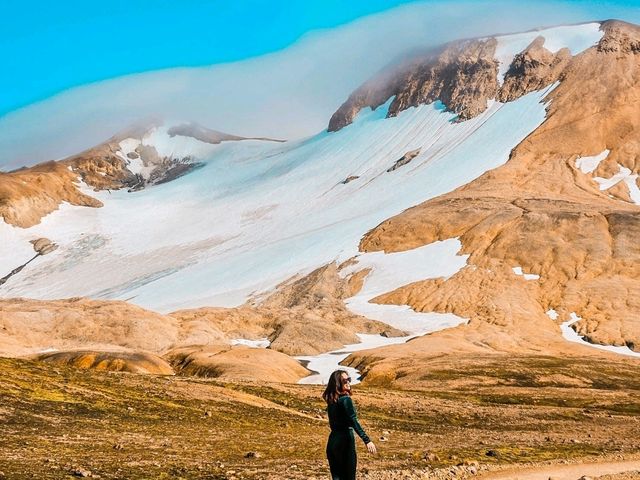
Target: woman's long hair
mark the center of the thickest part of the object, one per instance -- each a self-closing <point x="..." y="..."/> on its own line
<point x="335" y="387"/>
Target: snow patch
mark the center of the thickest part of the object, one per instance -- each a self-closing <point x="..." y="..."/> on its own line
<point x="623" y="175"/>
<point x="129" y="145"/>
<point x="394" y="270"/>
<point x="552" y="314"/>
<point x="48" y="350"/>
<point x="260" y="343"/>
<point x="326" y="363"/>
<point x="607" y="183"/>
<point x="589" y="164"/>
<point x="572" y="336"/>
<point x="527" y="276"/>
<point x="634" y="191"/>
<point x="135" y="165"/>
<point x="389" y="272"/>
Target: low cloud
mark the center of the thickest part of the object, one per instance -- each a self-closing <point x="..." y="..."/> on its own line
<point x="288" y="94"/>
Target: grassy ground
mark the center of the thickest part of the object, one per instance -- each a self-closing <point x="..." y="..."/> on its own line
<point x="57" y="421"/>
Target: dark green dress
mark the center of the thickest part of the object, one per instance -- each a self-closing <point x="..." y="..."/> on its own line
<point x="341" y="447"/>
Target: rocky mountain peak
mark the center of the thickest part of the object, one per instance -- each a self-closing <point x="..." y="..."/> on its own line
<point x="466" y="75"/>
<point x="140" y="156"/>
<point x="620" y="37"/>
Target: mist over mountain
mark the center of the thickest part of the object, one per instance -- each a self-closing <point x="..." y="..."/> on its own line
<point x="288" y="94"/>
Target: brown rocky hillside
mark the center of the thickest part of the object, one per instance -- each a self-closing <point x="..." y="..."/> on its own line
<point x="541" y="213"/>
<point x="304" y="316"/>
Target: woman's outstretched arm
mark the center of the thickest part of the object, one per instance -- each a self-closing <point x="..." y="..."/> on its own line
<point x="355" y="424"/>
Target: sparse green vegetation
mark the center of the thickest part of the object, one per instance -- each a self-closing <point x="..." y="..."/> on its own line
<point x="55" y="420"/>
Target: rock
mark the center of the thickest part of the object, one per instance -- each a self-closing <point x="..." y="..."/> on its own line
<point x="492" y="453"/>
<point x="43" y="245"/>
<point x="405" y="159"/>
<point x="208" y="413"/>
<point x="252" y="455"/>
<point x="462" y="75"/>
<point x="532" y="69"/>
<point x="383" y="439"/>
<point x="584" y="477"/>
<point x="81" y="472"/>
<point x="350" y="178"/>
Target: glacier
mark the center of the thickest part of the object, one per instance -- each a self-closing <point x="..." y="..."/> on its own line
<point x="259" y="213"/>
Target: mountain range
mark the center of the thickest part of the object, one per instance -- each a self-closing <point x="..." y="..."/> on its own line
<point x="476" y="198"/>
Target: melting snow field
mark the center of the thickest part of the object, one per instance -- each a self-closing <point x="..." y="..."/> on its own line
<point x="571" y="335"/>
<point x="325" y="363"/>
<point x="388" y="272"/>
<point x="394" y="270"/>
<point x="258" y="213"/>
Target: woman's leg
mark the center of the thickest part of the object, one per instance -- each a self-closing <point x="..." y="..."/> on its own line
<point x="351" y="459"/>
<point x="339" y="454"/>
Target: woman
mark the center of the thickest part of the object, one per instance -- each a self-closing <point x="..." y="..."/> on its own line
<point x="341" y="447"/>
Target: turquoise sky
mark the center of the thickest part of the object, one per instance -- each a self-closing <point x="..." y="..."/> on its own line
<point x="48" y="46"/>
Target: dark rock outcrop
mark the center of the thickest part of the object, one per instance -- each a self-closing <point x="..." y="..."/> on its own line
<point x="405" y="159"/>
<point x="462" y="75"/>
<point x="533" y="69"/>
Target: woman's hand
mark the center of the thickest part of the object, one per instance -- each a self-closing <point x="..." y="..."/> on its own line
<point x="372" y="448"/>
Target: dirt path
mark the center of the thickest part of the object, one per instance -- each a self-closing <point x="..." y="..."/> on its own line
<point x="565" y="472"/>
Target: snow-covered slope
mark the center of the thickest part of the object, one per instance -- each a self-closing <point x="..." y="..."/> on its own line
<point x="576" y="38"/>
<point x="258" y="212"/>
<point x="153" y="153"/>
